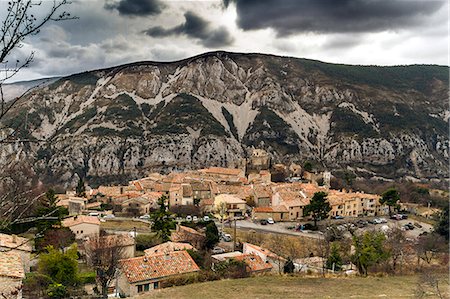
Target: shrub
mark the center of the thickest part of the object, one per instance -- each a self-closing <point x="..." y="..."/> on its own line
<point x="57" y="290"/>
<point x="87" y="277"/>
<point x="144" y="241"/>
<point x="36" y="284"/>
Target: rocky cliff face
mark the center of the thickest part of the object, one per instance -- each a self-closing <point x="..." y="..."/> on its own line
<point x="211" y="109"/>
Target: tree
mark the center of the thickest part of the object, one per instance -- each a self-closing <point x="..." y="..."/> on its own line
<point x="212" y="235"/>
<point x="48" y="207"/>
<point x="390" y="197"/>
<point x="57" y="238"/>
<point x="81" y="188"/>
<point x="318" y="207"/>
<point x="334" y="260"/>
<point x="369" y="250"/>
<point x="18" y="191"/>
<point x="427" y="246"/>
<point x="289" y="266"/>
<point x="221" y="209"/>
<point x="61" y="267"/>
<point x="161" y="222"/>
<point x="103" y="254"/>
<point x="442" y="226"/>
<point x="396" y="245"/>
<point x="307" y="166"/>
<point x="57" y="291"/>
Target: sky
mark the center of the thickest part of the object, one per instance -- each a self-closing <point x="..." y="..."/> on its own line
<point x="114" y="32"/>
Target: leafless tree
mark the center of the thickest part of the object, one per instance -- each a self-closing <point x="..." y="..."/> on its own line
<point x="428" y="282"/>
<point x="103" y="254"/>
<point x="428" y="246"/>
<point x="19" y="191"/>
<point x="396" y="244"/>
<point x="21" y="21"/>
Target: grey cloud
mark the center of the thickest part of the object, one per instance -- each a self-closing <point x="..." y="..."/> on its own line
<point x="138" y="8"/>
<point x="330" y="16"/>
<point x="198" y="28"/>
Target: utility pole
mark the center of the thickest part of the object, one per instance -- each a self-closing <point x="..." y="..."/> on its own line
<point x="234" y="235"/>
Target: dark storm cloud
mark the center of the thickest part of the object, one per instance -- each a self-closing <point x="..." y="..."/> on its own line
<point x="198" y="28"/>
<point x="138" y="8"/>
<point x="332" y="16"/>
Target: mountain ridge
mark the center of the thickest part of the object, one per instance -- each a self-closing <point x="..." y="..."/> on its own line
<point x="392" y="121"/>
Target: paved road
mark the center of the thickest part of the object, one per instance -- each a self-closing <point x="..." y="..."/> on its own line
<point x="278" y="228"/>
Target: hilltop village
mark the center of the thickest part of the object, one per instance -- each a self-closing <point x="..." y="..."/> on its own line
<point x="207" y="224"/>
<point x="248" y="192"/>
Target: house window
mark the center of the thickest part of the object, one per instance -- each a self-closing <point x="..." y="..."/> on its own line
<point x="156" y="285"/>
<point x="81" y="231"/>
<point x="143" y="288"/>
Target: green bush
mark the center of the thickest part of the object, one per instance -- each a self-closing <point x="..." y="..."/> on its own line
<point x="36" y="284"/>
<point x="87" y="277"/>
<point x="56" y="291"/>
<point x="144" y="241"/>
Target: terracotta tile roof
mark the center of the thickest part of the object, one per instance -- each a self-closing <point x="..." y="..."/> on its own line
<point x="187" y="190"/>
<point x="200" y="186"/>
<point x="153" y="196"/>
<point x="13" y="241"/>
<point x="227" y="255"/>
<point x="207" y="202"/>
<point x="11" y="265"/>
<point x="93" y="205"/>
<point x="71" y="221"/>
<point x="262" y="251"/>
<point x="157" y="266"/>
<point x="114" y="240"/>
<point x="168" y="247"/>
<point x="273" y="209"/>
<point x="254" y="263"/>
<point x="262" y="191"/>
<point x="222" y="171"/>
<point x="228" y="198"/>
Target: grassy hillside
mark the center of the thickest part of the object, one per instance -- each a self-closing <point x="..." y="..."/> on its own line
<point x="297" y="287"/>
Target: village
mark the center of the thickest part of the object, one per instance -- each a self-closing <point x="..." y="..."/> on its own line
<point x="147" y="234"/>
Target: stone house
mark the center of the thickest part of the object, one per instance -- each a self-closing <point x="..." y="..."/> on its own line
<point x="82" y="226"/>
<point x="124" y="243"/>
<point x="20" y="246"/>
<point x="11" y="275"/>
<point x="168" y="247"/>
<point x="145" y="273"/>
<point x="235" y="207"/>
<point x="255" y="263"/>
<point x="277" y="213"/>
<point x="184" y="234"/>
<point x="188" y="198"/>
<point x="276" y="261"/>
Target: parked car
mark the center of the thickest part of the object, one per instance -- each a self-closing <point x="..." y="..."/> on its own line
<point x="263" y="222"/>
<point x="404" y="216"/>
<point x="383" y="220"/>
<point x="218" y="250"/>
<point x="206" y="218"/>
<point x="109" y="216"/>
<point x="145" y="217"/>
<point x="397" y="217"/>
<point x="378" y="221"/>
<point x="195" y="218"/>
<point x="270" y="221"/>
<point x="189" y="218"/>
<point x="96" y="214"/>
<point x="338" y="217"/>
<point x="226" y="237"/>
<point x="417" y="224"/>
<point x="409" y="226"/>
